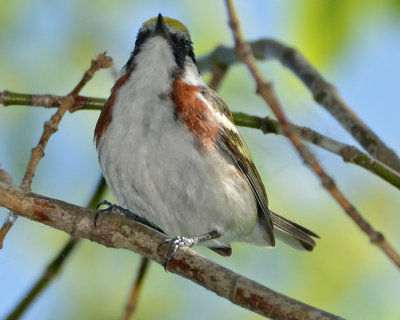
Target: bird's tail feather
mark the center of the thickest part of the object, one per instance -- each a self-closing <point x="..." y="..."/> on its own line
<point x="288" y="231"/>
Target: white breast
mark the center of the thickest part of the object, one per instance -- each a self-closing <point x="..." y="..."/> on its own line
<point x="153" y="165"/>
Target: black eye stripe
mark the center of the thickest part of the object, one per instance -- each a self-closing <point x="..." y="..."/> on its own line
<point x="140" y="39"/>
<point x="182" y="48"/>
<point x="181" y="45"/>
<point x="180" y="42"/>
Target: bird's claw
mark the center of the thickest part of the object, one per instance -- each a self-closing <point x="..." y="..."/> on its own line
<point x="113" y="208"/>
<point x="108" y="210"/>
<point x="175" y="244"/>
<point x="104" y="203"/>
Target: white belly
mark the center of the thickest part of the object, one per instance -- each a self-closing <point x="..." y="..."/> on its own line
<point x="154" y="168"/>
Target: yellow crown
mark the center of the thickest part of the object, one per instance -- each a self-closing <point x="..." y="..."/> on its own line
<point x="173" y="25"/>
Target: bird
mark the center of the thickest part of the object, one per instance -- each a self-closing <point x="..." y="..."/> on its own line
<point x="173" y="158"/>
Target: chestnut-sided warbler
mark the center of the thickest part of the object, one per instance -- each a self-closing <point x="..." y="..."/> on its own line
<point x="172" y="156"/>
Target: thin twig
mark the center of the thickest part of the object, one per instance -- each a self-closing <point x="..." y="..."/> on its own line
<point x="55" y="266"/>
<point x="117" y="231"/>
<point x="265" y="90"/>
<point x="327" y="95"/>
<point x="9" y="98"/>
<point x="5" y="177"/>
<point x="50" y="127"/>
<point x="348" y="153"/>
<point x="136" y="289"/>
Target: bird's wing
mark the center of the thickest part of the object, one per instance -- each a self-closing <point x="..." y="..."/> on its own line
<point x="230" y="141"/>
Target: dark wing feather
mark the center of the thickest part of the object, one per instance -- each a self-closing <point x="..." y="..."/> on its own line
<point x="234" y="146"/>
<point x="300" y="233"/>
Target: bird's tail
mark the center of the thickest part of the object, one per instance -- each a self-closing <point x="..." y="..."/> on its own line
<point x="292" y="233"/>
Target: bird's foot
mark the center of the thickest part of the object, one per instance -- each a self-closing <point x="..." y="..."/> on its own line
<point x="175" y="244"/>
<point x="179" y="242"/>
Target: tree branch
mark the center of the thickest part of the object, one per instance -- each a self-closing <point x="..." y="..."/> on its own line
<point x="55" y="266"/>
<point x="348" y="153"/>
<point x="50" y="127"/>
<point x="9" y="98"/>
<point x="323" y="92"/>
<point x="131" y="304"/>
<point x="117" y="231"/>
<point x="265" y="90"/>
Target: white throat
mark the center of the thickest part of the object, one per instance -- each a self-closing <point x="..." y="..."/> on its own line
<point x="154" y="66"/>
<point x="191" y="74"/>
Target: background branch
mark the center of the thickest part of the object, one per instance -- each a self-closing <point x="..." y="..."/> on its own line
<point x="102" y="61"/>
<point x="54" y="267"/>
<point x="323" y="92"/>
<point x="265" y="90"/>
<point x="134" y="294"/>
<point x="8" y="98"/>
<point x="117" y="231"/>
<point x="348" y="153"/>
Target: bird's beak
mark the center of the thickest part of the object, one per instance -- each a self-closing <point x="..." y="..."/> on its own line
<point x="160" y="29"/>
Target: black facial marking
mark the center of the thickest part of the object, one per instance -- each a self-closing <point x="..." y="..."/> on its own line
<point x="140" y="39"/>
<point x="182" y="47"/>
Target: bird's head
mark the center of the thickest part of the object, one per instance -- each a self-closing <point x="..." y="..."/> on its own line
<point x="164" y="31"/>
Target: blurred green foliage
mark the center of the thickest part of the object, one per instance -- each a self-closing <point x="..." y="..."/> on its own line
<point x="323" y="29"/>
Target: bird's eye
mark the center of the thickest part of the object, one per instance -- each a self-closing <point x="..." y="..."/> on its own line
<point x="186" y="46"/>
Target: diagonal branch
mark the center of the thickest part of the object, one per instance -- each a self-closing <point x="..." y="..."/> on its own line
<point x="323" y="92"/>
<point x="327" y="95"/>
<point x="50" y="127"/>
<point x="134" y="294"/>
<point x="117" y="231"/>
<point x="348" y="153"/>
<point x="265" y="90"/>
<point x="54" y="267"/>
